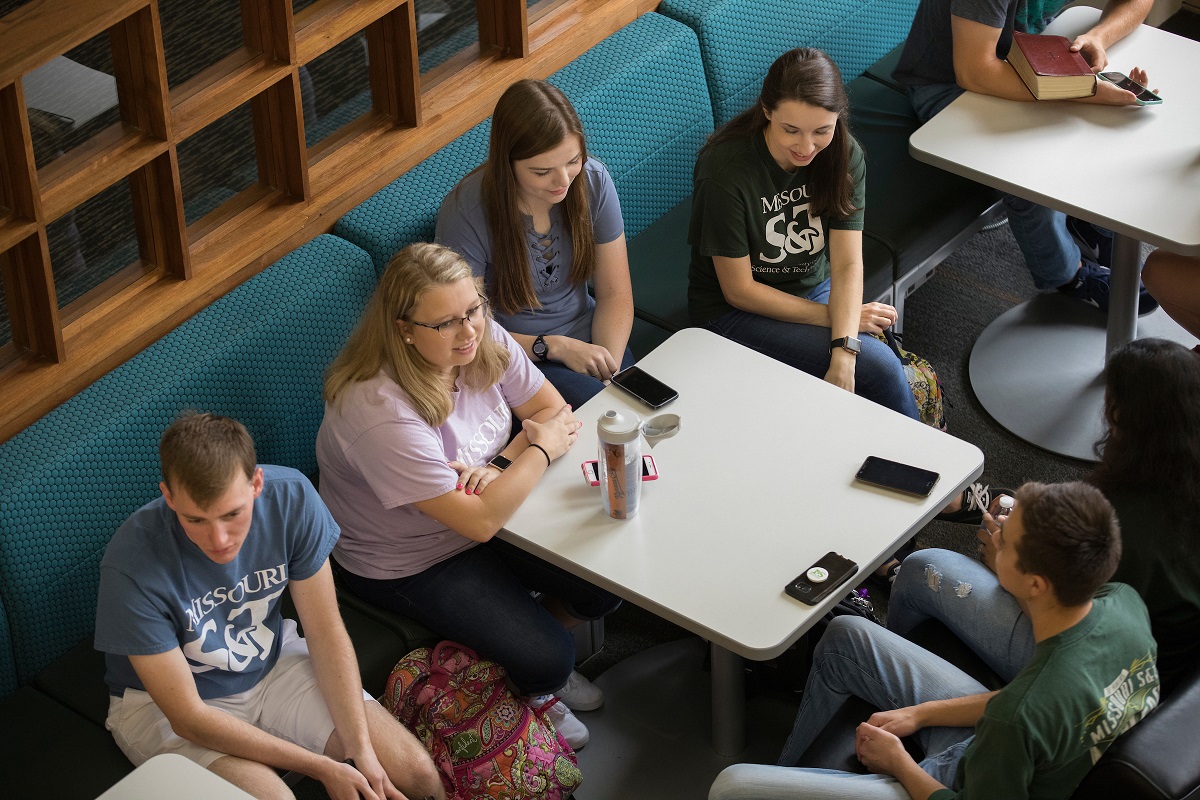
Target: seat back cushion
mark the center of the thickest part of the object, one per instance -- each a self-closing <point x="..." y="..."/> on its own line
<point x="69" y="480"/>
<point x="739" y="39"/>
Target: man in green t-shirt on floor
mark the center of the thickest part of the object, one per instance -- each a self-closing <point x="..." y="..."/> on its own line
<point x="1093" y="676"/>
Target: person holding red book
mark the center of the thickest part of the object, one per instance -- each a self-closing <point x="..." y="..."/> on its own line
<point x="961" y="45"/>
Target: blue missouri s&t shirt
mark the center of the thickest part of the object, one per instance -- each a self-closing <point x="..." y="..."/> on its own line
<point x="158" y="591"/>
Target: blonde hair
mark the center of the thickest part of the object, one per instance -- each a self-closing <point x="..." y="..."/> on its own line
<point x="377" y="344"/>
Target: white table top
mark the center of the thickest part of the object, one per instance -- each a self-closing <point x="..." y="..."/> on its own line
<point x="175" y="777"/>
<point x="1134" y="170"/>
<point x="757" y="485"/>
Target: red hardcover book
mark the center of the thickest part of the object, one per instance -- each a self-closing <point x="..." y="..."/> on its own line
<point x="1049" y="68"/>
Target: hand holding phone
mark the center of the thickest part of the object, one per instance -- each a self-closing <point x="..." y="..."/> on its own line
<point x="1144" y="96"/>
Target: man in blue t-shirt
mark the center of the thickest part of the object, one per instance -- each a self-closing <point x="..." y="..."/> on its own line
<point x="961" y="45"/>
<point x="200" y="660"/>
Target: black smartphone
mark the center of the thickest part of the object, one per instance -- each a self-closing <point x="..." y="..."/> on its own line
<point x="897" y="477"/>
<point x="821" y="579"/>
<point x="1145" y="97"/>
<point x="641" y="385"/>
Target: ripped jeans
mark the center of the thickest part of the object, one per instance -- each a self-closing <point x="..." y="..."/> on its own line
<point x="967" y="598"/>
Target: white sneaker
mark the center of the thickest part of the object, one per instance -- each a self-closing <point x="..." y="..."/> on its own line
<point x="574" y="731"/>
<point x="580" y="694"/>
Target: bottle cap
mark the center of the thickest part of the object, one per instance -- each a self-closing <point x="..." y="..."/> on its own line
<point x="617" y="428"/>
<point x="1006" y="503"/>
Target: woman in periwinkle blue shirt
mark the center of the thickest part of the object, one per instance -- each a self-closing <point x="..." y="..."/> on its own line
<point x="539" y="221"/>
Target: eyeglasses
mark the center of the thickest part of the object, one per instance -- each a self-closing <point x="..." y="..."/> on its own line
<point x="444" y="329"/>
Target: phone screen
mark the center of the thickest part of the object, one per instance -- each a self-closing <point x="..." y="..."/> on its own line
<point x="896" y="476"/>
<point x="641" y="385"/>
<point x="821" y="579"/>
<point x="1123" y="81"/>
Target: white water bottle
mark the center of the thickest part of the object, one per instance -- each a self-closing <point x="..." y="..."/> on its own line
<point x="1005" y="506"/>
<point x="620" y="456"/>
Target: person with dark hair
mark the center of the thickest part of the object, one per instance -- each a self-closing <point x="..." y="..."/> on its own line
<point x="961" y="45"/>
<point x="1150" y="471"/>
<point x="1092" y="678"/>
<point x="201" y="662"/>
<point x="419" y="467"/>
<point x="776" y="235"/>
<point x="539" y="221"/>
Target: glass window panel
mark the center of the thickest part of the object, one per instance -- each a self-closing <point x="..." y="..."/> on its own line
<point x="5" y="326"/>
<point x="71" y="99"/>
<point x="217" y="163"/>
<point x="92" y="243"/>
<point x="335" y="88"/>
<point x="197" y="35"/>
<point x="444" y="28"/>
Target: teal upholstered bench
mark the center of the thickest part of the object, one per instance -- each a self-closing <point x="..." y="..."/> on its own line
<point x="69" y="480"/>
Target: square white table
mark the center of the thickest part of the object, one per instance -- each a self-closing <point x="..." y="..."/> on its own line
<point x="1136" y="171"/>
<point x="757" y="485"/>
<point x="175" y="777"/>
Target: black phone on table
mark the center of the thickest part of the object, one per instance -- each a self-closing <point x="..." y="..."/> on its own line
<point x="821" y="579"/>
<point x="644" y="387"/>
<point x="1145" y="97"/>
<point x="898" y="477"/>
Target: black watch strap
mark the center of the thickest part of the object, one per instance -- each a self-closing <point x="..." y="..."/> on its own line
<point x="848" y="343"/>
<point x="539" y="347"/>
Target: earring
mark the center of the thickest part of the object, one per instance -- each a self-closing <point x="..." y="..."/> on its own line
<point x="408" y="340"/>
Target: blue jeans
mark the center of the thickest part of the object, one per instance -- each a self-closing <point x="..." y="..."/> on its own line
<point x="481" y="598"/>
<point x="858" y="657"/>
<point x="576" y="387"/>
<point x="878" y="374"/>
<point x="1050" y="253"/>
<point x="967" y="598"/>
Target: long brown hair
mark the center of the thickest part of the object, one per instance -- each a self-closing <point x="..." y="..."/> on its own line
<point x="808" y="76"/>
<point x="376" y="343"/>
<point x="531" y="118"/>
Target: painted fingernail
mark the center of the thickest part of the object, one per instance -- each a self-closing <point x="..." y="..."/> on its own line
<point x="459" y="486"/>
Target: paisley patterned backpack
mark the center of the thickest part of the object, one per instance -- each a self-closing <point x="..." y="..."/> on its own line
<point x="484" y="741"/>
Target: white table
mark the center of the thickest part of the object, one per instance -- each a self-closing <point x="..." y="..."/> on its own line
<point x="175" y="777"/>
<point x="1136" y="171"/>
<point x="757" y="485"/>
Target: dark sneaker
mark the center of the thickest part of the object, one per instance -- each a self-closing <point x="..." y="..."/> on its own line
<point x="1090" y="286"/>
<point x="1095" y="244"/>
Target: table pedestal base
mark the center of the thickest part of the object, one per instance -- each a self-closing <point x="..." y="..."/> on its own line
<point x="1037" y="370"/>
<point x="653" y="737"/>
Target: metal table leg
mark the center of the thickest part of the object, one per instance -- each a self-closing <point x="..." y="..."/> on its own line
<point x="728" y="702"/>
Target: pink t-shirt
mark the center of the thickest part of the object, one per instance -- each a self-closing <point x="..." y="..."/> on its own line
<point x="378" y="457"/>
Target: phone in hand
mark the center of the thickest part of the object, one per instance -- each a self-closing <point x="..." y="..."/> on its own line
<point x="821" y="579"/>
<point x="898" y="477"/>
<point x="1145" y="97"/>
<point x="591" y="470"/>
<point x="648" y="389"/>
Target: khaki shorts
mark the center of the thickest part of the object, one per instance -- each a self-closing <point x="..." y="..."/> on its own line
<point x="286" y="703"/>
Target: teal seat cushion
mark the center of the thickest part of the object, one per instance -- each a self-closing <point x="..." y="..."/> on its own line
<point x="739" y="39"/>
<point x="70" y="479"/>
<point x="643" y="102"/>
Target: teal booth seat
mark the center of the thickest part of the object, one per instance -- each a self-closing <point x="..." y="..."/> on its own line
<point x="69" y="480"/>
<point x="645" y="109"/>
<point x="740" y="38"/>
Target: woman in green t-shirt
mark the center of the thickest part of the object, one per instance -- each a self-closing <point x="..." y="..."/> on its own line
<point x="776" y="235"/>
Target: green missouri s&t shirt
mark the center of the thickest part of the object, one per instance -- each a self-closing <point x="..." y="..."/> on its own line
<point x="745" y="204"/>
